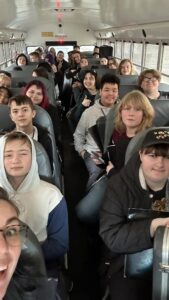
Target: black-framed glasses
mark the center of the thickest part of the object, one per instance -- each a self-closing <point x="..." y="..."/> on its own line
<point x="15" y="235"/>
<point x="152" y="79"/>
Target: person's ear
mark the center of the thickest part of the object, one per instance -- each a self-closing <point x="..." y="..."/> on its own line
<point x="33" y="113"/>
<point x="140" y="154"/>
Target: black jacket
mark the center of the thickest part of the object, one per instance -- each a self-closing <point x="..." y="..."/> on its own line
<point x="125" y="191"/>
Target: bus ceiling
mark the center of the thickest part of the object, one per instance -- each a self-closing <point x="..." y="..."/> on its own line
<point x="84" y="20"/>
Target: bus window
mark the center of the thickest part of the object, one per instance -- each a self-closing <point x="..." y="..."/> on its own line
<point x="30" y="49"/>
<point x="84" y="48"/>
<point x="127" y="50"/>
<point x="118" y="50"/>
<point x="151" y="56"/>
<point x="137" y="50"/>
<point x="165" y="61"/>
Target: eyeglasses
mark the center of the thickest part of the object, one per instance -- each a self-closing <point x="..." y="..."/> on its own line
<point x="152" y="79"/>
<point x="15" y="235"/>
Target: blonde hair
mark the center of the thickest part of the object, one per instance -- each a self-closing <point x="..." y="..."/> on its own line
<point x="123" y="61"/>
<point x="138" y="100"/>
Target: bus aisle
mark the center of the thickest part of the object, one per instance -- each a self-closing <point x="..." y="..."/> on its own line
<point x="81" y="258"/>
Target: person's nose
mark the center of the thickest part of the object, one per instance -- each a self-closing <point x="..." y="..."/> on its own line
<point x="3" y="244"/>
<point x="16" y="158"/>
<point x="20" y="113"/>
<point x="131" y="111"/>
<point x="160" y="161"/>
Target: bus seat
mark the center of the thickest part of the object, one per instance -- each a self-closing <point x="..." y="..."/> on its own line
<point x="43" y="119"/>
<point x="93" y="61"/>
<point x="88" y="54"/>
<point x="5" y="120"/>
<point x="44" y="167"/>
<point x="100" y="72"/>
<point x="29" y="68"/>
<point x="136" y="142"/>
<point x="21" y="80"/>
<point x="161" y="108"/>
<point x="128" y="79"/>
<point x="98" y="66"/>
<point x="124" y="89"/>
<point x="15" y="91"/>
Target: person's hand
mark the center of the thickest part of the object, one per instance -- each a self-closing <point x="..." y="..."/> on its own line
<point x="156" y="223"/>
<point x="54" y="68"/>
<point x="76" y="84"/>
<point x="86" y="102"/>
<point x="109" y="167"/>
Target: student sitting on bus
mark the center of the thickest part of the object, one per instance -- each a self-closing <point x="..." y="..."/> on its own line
<point x="36" y="90"/>
<point x="74" y="67"/>
<point x="87" y="95"/>
<point x="134" y="114"/>
<point x="51" y="61"/>
<point x="76" y="48"/>
<point x="10" y="247"/>
<point x="28" y="277"/>
<point x="96" y="50"/>
<point x="5" y="80"/>
<point x="84" y="142"/>
<point x="34" y="57"/>
<point x="40" y="72"/>
<point x="149" y="81"/>
<point x="142" y="182"/>
<point x="5" y="94"/>
<point x="41" y="204"/>
<point x="62" y="65"/>
<point x="126" y="67"/>
<point x="22" y="113"/>
<point x="104" y="61"/>
<point x="112" y="63"/>
<point x="22" y="60"/>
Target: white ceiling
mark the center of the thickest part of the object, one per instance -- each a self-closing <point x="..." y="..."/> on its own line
<point x="98" y="15"/>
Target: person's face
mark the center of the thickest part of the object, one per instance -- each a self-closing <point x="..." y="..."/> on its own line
<point x="89" y="81"/>
<point x="34" y="58"/>
<point x="35" y="94"/>
<point x="125" y="68"/>
<point x="21" y="61"/>
<point x="83" y="62"/>
<point x="17" y="159"/>
<point x="111" y="65"/>
<point x="60" y="56"/>
<point x="131" y="116"/>
<point x="150" y="83"/>
<point x="5" y="81"/>
<point x="4" y="98"/>
<point x="9" y="255"/>
<point x="109" y="94"/>
<point x="22" y="115"/>
<point x="103" y="61"/>
<point x="155" y="168"/>
<point x="77" y="58"/>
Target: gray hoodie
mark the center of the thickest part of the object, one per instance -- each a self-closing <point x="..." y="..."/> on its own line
<point x="82" y="138"/>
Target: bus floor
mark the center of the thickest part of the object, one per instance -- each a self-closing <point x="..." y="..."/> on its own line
<point x="83" y="249"/>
